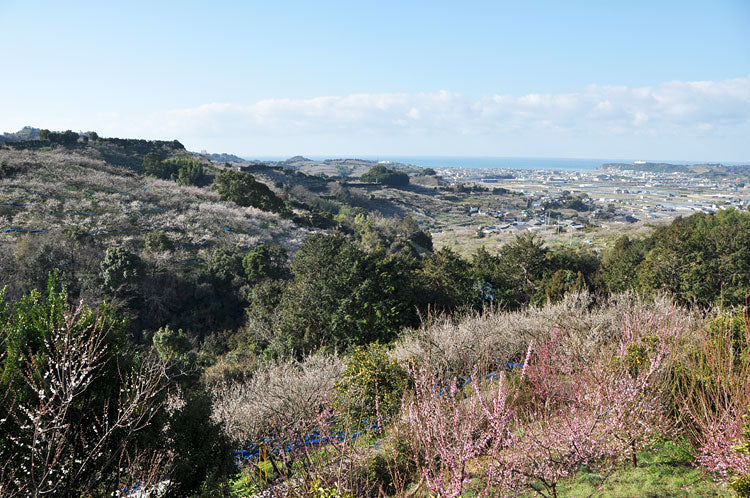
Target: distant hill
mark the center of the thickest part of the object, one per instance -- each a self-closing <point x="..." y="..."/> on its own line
<point x="227" y="158"/>
<point x="129" y="153"/>
<point x="351" y="167"/>
<point x="25" y="133"/>
<point x="704" y="170"/>
<point x="123" y="152"/>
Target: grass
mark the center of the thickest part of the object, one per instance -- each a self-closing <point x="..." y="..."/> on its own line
<point x="242" y="485"/>
<point x="667" y="471"/>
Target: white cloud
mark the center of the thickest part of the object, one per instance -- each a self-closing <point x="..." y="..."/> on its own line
<point x="671" y="111"/>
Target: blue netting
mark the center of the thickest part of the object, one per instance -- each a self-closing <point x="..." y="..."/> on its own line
<point x="74" y="214"/>
<point x="22" y="230"/>
<point x="15" y="203"/>
<point x="272" y="445"/>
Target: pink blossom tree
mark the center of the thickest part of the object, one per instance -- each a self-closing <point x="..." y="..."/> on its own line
<point x="558" y="414"/>
<point x="449" y="429"/>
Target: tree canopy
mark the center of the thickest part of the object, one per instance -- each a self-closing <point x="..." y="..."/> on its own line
<point x="386" y="176"/>
<point x="244" y="190"/>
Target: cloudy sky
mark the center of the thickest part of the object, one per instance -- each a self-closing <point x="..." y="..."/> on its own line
<point x="652" y="80"/>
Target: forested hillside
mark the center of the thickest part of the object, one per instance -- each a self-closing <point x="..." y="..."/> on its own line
<point x="198" y="329"/>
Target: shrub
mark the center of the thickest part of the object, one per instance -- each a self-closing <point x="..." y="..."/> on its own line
<point x="392" y="469"/>
<point x="711" y="387"/>
<point x="158" y="241"/>
<point x="370" y="388"/>
<point x="741" y="482"/>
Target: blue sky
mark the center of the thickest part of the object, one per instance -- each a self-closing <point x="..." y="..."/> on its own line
<point x="656" y="80"/>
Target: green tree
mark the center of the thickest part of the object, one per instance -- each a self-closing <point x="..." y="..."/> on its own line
<point x="225" y="266"/>
<point x="386" y="176"/>
<point x="190" y="174"/>
<point x="152" y="165"/>
<point x="201" y="448"/>
<point x="411" y="231"/>
<point x="183" y="169"/>
<point x="447" y="280"/>
<point x="203" y="452"/>
<point x="489" y="282"/>
<point x="702" y="259"/>
<point x="120" y="269"/>
<point x="619" y="265"/>
<point x="174" y="348"/>
<point x="350" y="297"/>
<point x="524" y="263"/>
<point x="264" y="261"/>
<point x="69" y="137"/>
<point x="562" y="282"/>
<point x="242" y="189"/>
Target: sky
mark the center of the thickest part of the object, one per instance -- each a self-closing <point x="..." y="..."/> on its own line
<point x="637" y="79"/>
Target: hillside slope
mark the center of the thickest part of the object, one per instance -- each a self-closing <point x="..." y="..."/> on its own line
<point x="50" y="190"/>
